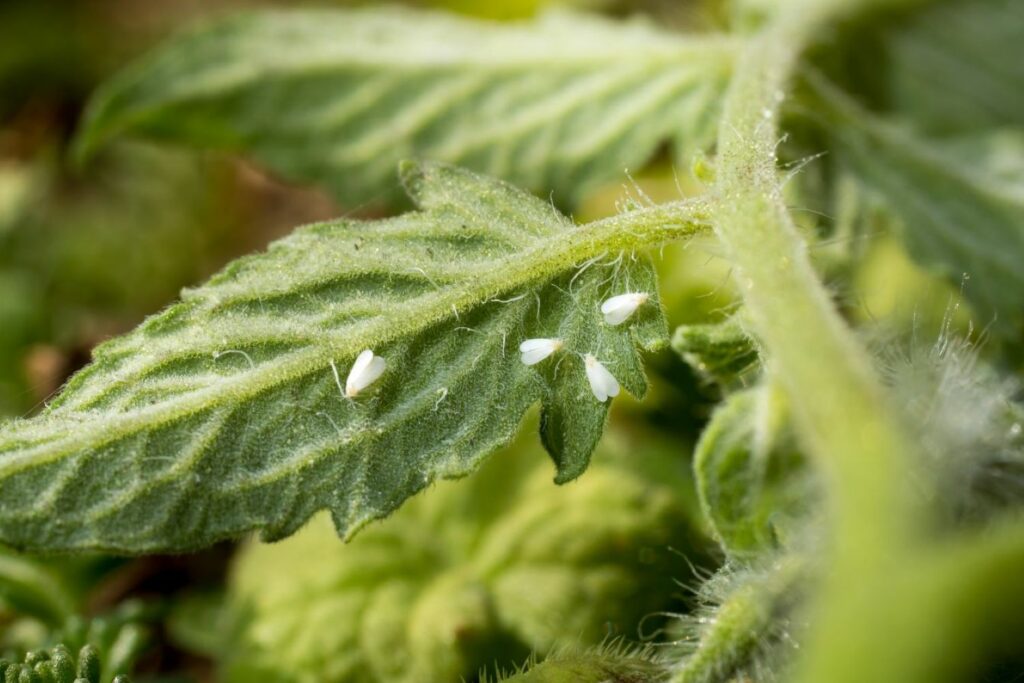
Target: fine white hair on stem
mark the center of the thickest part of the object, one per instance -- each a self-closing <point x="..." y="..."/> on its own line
<point x="365" y="371"/>
<point x="620" y="308"/>
<point x="534" y="351"/>
<point x="602" y="383"/>
<point x="642" y="198"/>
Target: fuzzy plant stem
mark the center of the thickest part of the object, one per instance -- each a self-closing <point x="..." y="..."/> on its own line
<point x="840" y="406"/>
<point x="841" y="410"/>
<point x="746" y="621"/>
<point x="959" y="603"/>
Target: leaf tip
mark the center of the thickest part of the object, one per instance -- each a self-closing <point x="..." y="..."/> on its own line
<point x="412" y="173"/>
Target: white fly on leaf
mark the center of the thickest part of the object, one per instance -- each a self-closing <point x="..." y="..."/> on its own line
<point x="619" y="308"/>
<point x="535" y="350"/>
<point x="364" y="372"/>
<point x="602" y="382"/>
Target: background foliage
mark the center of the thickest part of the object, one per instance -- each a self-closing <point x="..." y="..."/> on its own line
<point x="695" y="545"/>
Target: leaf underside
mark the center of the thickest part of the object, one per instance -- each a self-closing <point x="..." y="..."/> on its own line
<point x="955" y="67"/>
<point x="224" y="415"/>
<point x="338" y="97"/>
<point x="959" y="218"/>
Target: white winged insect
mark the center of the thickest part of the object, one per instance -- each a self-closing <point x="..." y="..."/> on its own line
<point x="534" y="351"/>
<point x="619" y="308"/>
<point x="365" y="371"/>
<point x="602" y="382"/>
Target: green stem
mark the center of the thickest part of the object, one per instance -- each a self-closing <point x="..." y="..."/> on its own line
<point x="839" y="404"/>
<point x="946" y="609"/>
<point x="744" y="623"/>
<point x="841" y="411"/>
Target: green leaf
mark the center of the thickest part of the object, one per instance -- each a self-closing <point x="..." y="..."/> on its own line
<point x="1000" y="153"/>
<point x="723" y="352"/>
<point x="954" y="67"/>
<point x="557" y="105"/>
<point x="959" y="219"/>
<point x="225" y="413"/>
<point x="29" y="587"/>
<point x="748" y="472"/>
<point x="467" y="575"/>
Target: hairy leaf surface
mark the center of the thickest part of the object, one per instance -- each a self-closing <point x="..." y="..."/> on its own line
<point x="338" y="97"/>
<point x="225" y="413"/>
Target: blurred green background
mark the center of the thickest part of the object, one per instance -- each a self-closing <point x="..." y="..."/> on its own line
<point x="87" y="253"/>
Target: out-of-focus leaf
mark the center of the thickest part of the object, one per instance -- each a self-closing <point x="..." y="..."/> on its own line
<point x="339" y="97"/>
<point x="467" y="575"/>
<point x="959" y="219"/>
<point x="226" y="413"/>
<point x="955" y="66"/>
<point x="748" y="472"/>
<point x="199" y="623"/>
<point x="30" y="588"/>
<point x="1000" y="153"/>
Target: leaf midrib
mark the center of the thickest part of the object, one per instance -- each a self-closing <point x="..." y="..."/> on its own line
<point x="712" y="50"/>
<point x="548" y="257"/>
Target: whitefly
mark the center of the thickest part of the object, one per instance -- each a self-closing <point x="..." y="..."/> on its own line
<point x="533" y="351"/>
<point x="365" y="371"/>
<point x="618" y="309"/>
